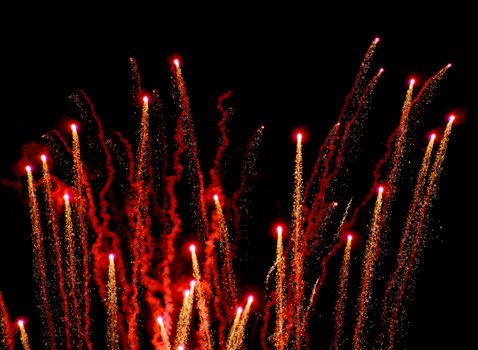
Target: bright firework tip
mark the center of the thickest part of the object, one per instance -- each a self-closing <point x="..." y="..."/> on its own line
<point x="449" y="65"/>
<point x="193" y="284"/>
<point x="349" y="238"/>
<point x="412" y="82"/>
<point x="180" y="347"/>
<point x="451" y="118"/>
<point x="73" y="127"/>
<point x="433" y="136"/>
<point x="186" y="293"/>
<point x="239" y="310"/>
<point x="21" y="323"/>
<point x="43" y="158"/>
<point x="250" y="299"/>
<point x="111" y="257"/>
<point x="380" y="190"/>
<point x="335" y="204"/>
<point x="66" y="197"/>
<point x="279" y="229"/>
<point x="381" y="70"/>
<point x="299" y="137"/>
<point x="160" y="320"/>
<point x="376" y="40"/>
<point x="216" y="198"/>
<point x="176" y="62"/>
<point x="192" y="248"/>
<point x="28" y="168"/>
<point x="145" y="99"/>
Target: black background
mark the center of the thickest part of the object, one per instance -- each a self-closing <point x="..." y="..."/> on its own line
<point x="287" y="69"/>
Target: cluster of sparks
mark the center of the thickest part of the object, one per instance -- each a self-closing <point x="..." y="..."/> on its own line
<point x="136" y="269"/>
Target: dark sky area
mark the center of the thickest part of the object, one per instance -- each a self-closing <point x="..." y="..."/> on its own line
<point x="284" y="71"/>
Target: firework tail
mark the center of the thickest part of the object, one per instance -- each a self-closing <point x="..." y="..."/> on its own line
<point x="6" y="332"/>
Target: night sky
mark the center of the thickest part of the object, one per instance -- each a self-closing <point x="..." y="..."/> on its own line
<point x="282" y="75"/>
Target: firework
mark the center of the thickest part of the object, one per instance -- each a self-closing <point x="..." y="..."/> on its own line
<point x="132" y="209"/>
<point x="24" y="336"/>
<point x="370" y="259"/>
<point x="340" y="306"/>
<point x="6" y="332"/>
<point x="56" y="243"/>
<point x="81" y="215"/>
<point x="71" y="269"/>
<point x="40" y="263"/>
<point x="112" y="331"/>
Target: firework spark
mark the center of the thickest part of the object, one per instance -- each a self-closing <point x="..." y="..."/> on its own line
<point x="56" y="243"/>
<point x="370" y="259"/>
<point x="340" y="306"/>
<point x="24" y="336"/>
<point x="40" y="263"/>
<point x="112" y="330"/>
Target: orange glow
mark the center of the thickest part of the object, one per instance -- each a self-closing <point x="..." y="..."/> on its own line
<point x="412" y="82"/>
<point x="239" y="310"/>
<point x="66" y="197"/>
<point x="335" y="204"/>
<point x="43" y="158"/>
<point x="451" y="118"/>
<point x="192" y="248"/>
<point x="250" y="299"/>
<point x="73" y="127"/>
<point x="299" y="137"/>
<point x="192" y="284"/>
<point x="145" y="99"/>
<point x="186" y="293"/>
<point x="216" y="198"/>
<point x="160" y="320"/>
<point x="111" y="257"/>
<point x="349" y="238"/>
<point x="20" y="323"/>
<point x="433" y="136"/>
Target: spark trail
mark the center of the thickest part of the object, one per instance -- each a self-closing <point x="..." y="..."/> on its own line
<point x="227" y="269"/>
<point x="24" y="336"/>
<point x="112" y="310"/>
<point x="370" y="259"/>
<point x="419" y="234"/>
<point x="202" y="304"/>
<point x="137" y="217"/>
<point x="196" y="179"/>
<point x="81" y="215"/>
<point x="56" y="243"/>
<point x="184" y="322"/>
<point x="164" y="334"/>
<point x="6" y="331"/>
<point x="341" y="301"/>
<point x="297" y="257"/>
<point x="40" y="263"/>
<point x="411" y="223"/>
<point x="71" y="273"/>
<point x="241" y="326"/>
<point x="233" y="332"/>
<point x="279" y="340"/>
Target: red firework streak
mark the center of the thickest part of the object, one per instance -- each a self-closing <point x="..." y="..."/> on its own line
<point x="6" y="332"/>
<point x="429" y="197"/>
<point x="57" y="256"/>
